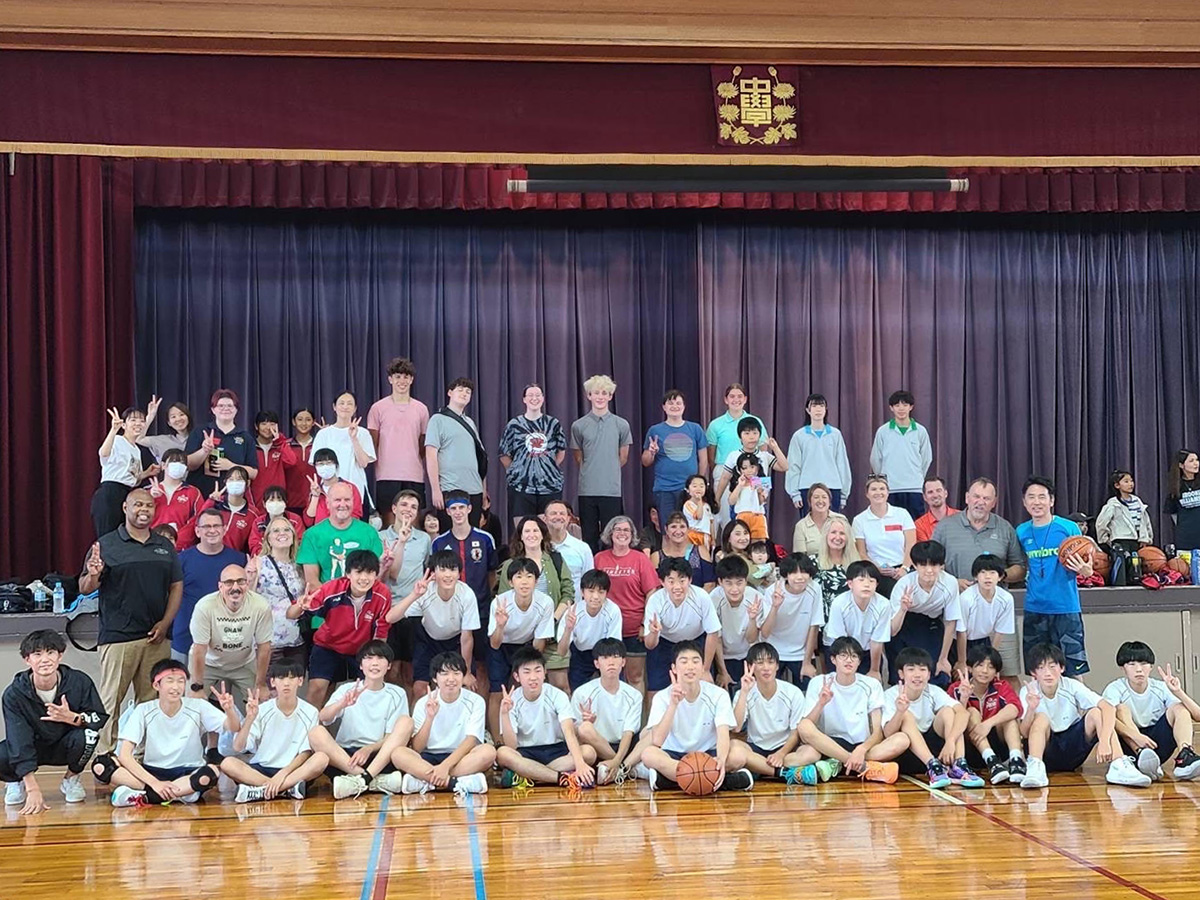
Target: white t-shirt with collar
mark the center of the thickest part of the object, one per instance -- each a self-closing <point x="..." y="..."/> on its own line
<point x="864" y="625"/>
<point x="444" y="619"/>
<point x="884" y="535"/>
<point x="932" y="701"/>
<point x="690" y="620"/>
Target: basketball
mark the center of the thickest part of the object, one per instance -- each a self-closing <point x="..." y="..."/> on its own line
<point x="1153" y="559"/>
<point x="697" y="774"/>
<point x="1179" y="565"/>
<point x="1101" y="563"/>
<point x="1076" y="544"/>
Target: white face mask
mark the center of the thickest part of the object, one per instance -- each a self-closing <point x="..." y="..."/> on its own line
<point x="326" y="470"/>
<point x="275" y="507"/>
<point x="235" y="488"/>
<point x="177" y="470"/>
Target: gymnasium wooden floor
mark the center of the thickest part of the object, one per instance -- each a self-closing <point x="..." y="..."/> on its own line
<point x="1080" y="839"/>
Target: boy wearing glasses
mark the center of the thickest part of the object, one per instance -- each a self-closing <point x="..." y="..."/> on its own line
<point x="231" y="639"/>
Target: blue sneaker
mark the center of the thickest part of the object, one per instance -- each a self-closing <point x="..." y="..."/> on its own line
<point x="938" y="778"/>
<point x="809" y="775"/>
<point x="961" y="774"/>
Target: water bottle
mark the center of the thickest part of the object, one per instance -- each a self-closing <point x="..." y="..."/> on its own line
<point x="1135" y="569"/>
<point x="60" y="599"/>
<point x="41" y="599"/>
<point x="1196" y="567"/>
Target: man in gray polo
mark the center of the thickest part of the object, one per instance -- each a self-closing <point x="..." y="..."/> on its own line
<point x="600" y="444"/>
<point x="454" y="453"/>
<point x="977" y="530"/>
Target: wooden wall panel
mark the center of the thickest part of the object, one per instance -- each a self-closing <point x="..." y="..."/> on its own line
<point x="1017" y="32"/>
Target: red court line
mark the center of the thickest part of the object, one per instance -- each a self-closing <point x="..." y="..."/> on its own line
<point x="385" y="865"/>
<point x="1075" y="858"/>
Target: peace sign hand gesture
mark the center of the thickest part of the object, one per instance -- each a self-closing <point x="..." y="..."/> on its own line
<point x="571" y="617"/>
<point x="677" y="690"/>
<point x="223" y="697"/>
<point x="748" y="678"/>
<point x="431" y="703"/>
<point x="826" y="694"/>
<point x="209" y="443"/>
<point x="586" y="712"/>
<point x="353" y="694"/>
<point x="251" y="704"/>
<point x="656" y="628"/>
<point x="906" y="599"/>
<point x="506" y="700"/>
<point x="314" y="486"/>
<point x="753" y="608"/>
<point x="1171" y="680"/>
<point x="902" y="703"/>
<point x="422" y="584"/>
<point x="501" y="614"/>
<point x="653" y="447"/>
<point x="353" y="430"/>
<point x="117" y="422"/>
<point x="777" y="596"/>
<point x="152" y="407"/>
<point x="156" y="490"/>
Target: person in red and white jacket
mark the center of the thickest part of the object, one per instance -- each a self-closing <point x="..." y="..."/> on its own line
<point x="232" y="502"/>
<point x="297" y="477"/>
<point x="275" y="454"/>
<point x="355" y="608"/>
<point x="176" y="503"/>
<point x="993" y="711"/>
<point x="326" y="465"/>
<point x="274" y="503"/>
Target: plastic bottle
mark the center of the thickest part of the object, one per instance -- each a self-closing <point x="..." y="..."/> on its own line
<point x="60" y="599"/>
<point x="1135" y="569"/>
<point x="41" y="599"/>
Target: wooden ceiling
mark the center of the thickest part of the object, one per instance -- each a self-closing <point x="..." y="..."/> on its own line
<point x="840" y="32"/>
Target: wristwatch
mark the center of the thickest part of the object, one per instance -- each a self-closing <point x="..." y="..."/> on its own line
<point x="197" y="687"/>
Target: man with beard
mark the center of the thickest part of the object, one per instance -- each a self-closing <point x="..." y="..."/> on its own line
<point x="231" y="639"/>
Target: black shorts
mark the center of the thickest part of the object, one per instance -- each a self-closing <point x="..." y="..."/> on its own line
<point x="400" y="639"/>
<point x="332" y="666"/>
<point x="848" y="746"/>
<point x="763" y="751"/>
<point x="1062" y="630"/>
<point x="545" y="753"/>
<point x="268" y="771"/>
<point x="1067" y="750"/>
<point x="333" y="771"/>
<point x="425" y="648"/>
<point x="920" y="631"/>
<point x="634" y="646"/>
<point x="680" y="754"/>
<point x="581" y="669"/>
<point x="910" y="764"/>
<point x="499" y="662"/>
<point x="386" y="491"/>
<point x="171" y="774"/>
<point x="1162" y="734"/>
<point x="791" y="668"/>
<point x="521" y="504"/>
<point x="434" y="759"/>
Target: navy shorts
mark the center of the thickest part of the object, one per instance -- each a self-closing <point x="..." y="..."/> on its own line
<point x="173" y="773"/>
<point x="1063" y="630"/>
<point x="791" y="668"/>
<point x="762" y="751"/>
<point x="425" y="648"/>
<point x="434" y="759"/>
<point x="910" y="764"/>
<point x="920" y="631"/>
<point x="581" y="669"/>
<point x="400" y="639"/>
<point x="499" y="662"/>
<point x="1163" y="736"/>
<point x="333" y="771"/>
<point x="848" y="746"/>
<point x="332" y="666"/>
<point x="680" y="754"/>
<point x="1067" y="750"/>
<point x="265" y="770"/>
<point x="545" y="753"/>
<point x="634" y="646"/>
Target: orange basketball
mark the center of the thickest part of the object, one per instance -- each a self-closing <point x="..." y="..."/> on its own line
<point x="1176" y="564"/>
<point x="1076" y="544"/>
<point x="697" y="774"/>
<point x="1153" y="559"/>
<point x="1101" y="563"/>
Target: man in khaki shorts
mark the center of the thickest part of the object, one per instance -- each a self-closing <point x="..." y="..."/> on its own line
<point x="231" y="639"/>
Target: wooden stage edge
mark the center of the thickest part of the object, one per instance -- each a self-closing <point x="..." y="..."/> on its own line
<point x="1081" y="838"/>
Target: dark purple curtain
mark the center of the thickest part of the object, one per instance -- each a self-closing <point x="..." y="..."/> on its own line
<point x="1061" y="345"/>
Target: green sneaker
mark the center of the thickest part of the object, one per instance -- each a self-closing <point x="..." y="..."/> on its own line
<point x="511" y="779"/>
<point x="828" y="769"/>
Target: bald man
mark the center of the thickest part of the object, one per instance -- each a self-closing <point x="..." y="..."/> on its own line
<point x="231" y="639"/>
<point x="140" y="583"/>
<point x="325" y="546"/>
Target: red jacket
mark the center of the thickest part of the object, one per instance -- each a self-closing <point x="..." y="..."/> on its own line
<point x="323" y="507"/>
<point x="180" y="511"/>
<point x="296" y="476"/>
<point x="259" y="531"/>
<point x="238" y="525"/>
<point x="344" y="632"/>
<point x="999" y="695"/>
<point x="273" y="465"/>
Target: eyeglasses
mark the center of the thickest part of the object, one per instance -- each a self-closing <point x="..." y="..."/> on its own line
<point x="235" y="582"/>
<point x="877" y="476"/>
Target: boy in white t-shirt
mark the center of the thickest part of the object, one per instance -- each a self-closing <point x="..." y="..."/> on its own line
<point x="537" y="728"/>
<point x="794" y="618"/>
<point x="987" y="610"/>
<point x="277" y="733"/>
<point x="925" y="612"/>
<point x="693" y="716"/>
<point x="449" y="616"/>
<point x="768" y="710"/>
<point x="172" y="732"/>
<point x="608" y="712"/>
<point x="520" y="617"/>
<point x="591" y="619"/>
<point x="862" y="614"/>
<point x="932" y="720"/>
<point x="1063" y="720"/>
<point x="449" y="750"/>
<point x="678" y="611"/>
<point x="369" y="710"/>
<point x="1154" y="717"/>
<point x="843" y="717"/>
<point x="739" y="610"/>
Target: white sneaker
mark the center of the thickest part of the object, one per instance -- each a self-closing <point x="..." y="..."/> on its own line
<point x="1035" y="774"/>
<point x="471" y="784"/>
<point x="1148" y="764"/>
<point x="14" y="793"/>
<point x="345" y="786"/>
<point x="391" y="783"/>
<point x="641" y="770"/>
<point x="72" y="788"/>
<point x="652" y="779"/>
<point x="193" y="797"/>
<point x="601" y="773"/>
<point x="296" y="792"/>
<point x="411" y="784"/>
<point x="1122" y="771"/>
<point x="127" y="796"/>
<point x="247" y="793"/>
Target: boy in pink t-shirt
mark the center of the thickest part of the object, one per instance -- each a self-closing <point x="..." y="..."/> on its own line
<point x="397" y="425"/>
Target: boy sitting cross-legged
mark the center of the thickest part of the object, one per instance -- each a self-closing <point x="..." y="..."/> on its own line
<point x="608" y="712"/>
<point x="993" y="709"/>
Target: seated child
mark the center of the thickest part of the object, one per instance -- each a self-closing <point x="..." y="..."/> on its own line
<point x="1063" y="720"/>
<point x="277" y="733"/>
<point x="925" y="611"/>
<point x="678" y="611"/>
<point x="739" y="610"/>
<point x="986" y="608"/>
<point x="794" y="617"/>
<point x="768" y="711"/>
<point x="993" y="709"/>
<point x="1154" y="718"/>
<point x="762" y="565"/>
<point x="172" y="733"/>
<point x="448" y="749"/>
<point x="932" y="721"/>
<point x="862" y="614"/>
<point x="369" y="710"/>
<point x="608" y="711"/>
<point x="843" y="716"/>
<point x="537" y="728"/>
<point x="589" y="620"/>
<point x="693" y="716"/>
<point x="448" y="614"/>
<point x="52" y="717"/>
<point x="522" y="616"/>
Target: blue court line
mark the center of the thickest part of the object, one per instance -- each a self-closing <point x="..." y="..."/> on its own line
<point x="476" y="857"/>
<point x="376" y="842"/>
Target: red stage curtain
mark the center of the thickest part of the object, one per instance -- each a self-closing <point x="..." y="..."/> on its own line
<point x="333" y="185"/>
<point x="66" y="329"/>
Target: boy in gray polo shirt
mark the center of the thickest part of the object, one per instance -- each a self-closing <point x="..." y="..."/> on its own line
<point x="600" y="443"/>
<point x="454" y="453"/>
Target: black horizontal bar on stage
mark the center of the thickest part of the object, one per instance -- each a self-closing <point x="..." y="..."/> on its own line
<point x="732" y="185"/>
<point x="620" y="172"/>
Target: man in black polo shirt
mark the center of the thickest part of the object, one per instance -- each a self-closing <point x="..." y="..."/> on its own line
<point x="140" y="584"/>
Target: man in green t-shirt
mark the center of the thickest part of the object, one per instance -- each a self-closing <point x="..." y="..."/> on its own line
<point x="324" y="547"/>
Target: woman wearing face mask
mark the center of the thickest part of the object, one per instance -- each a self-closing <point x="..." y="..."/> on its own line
<point x="123" y="466"/>
<point x="304" y="430"/>
<point x="353" y="445"/>
<point x="176" y="503"/>
<point x="214" y="450"/>
<point x="179" y="418"/>
<point x="273" y="573"/>
<point x="325" y="476"/>
<point x="235" y="508"/>
<point x="274" y="505"/>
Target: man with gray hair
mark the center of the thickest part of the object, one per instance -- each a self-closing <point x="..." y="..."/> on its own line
<point x="600" y="444"/>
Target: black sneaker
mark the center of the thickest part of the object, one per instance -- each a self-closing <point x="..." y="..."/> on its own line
<point x="1187" y="764"/>
<point x="1016" y="769"/>
<point x="741" y="780"/>
<point x="998" y="772"/>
